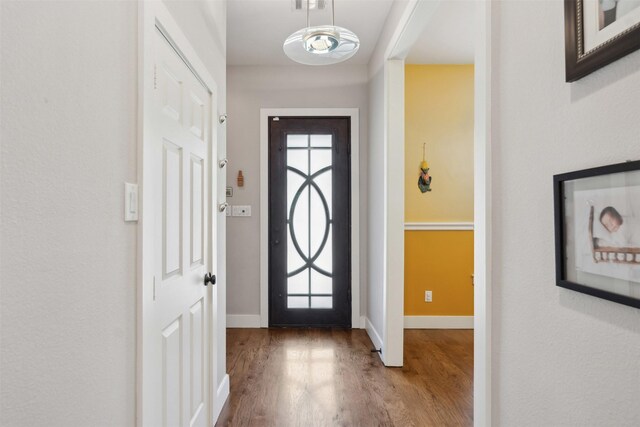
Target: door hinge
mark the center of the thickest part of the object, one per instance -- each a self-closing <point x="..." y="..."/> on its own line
<point x="155" y="80"/>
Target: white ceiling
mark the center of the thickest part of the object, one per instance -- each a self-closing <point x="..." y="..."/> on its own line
<point x="449" y="36"/>
<point x="256" y="29"/>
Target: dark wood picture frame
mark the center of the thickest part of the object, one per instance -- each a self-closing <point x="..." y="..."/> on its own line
<point x="560" y="232"/>
<point x="580" y="63"/>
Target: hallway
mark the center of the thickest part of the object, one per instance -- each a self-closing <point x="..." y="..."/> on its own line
<point x="302" y="377"/>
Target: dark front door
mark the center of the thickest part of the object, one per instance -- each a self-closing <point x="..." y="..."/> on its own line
<point x="309" y="221"/>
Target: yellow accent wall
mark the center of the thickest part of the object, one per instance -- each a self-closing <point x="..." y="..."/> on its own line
<point x="442" y="262"/>
<point x="439" y="111"/>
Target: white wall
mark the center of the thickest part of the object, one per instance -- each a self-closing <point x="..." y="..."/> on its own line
<point x="251" y="88"/>
<point x="560" y="358"/>
<point x="68" y="260"/>
<point x="376" y="208"/>
<point x="378" y="178"/>
<point x="388" y="33"/>
<point x="68" y="268"/>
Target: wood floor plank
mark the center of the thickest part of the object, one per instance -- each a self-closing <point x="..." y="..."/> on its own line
<point x="329" y="377"/>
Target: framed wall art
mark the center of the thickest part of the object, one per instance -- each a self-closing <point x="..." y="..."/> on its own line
<point x="598" y="32"/>
<point x="597" y="232"/>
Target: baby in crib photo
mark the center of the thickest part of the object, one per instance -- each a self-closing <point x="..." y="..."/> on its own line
<point x="622" y="231"/>
<point x="607" y="232"/>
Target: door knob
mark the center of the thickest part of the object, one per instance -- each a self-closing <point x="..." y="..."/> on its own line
<point x="209" y="278"/>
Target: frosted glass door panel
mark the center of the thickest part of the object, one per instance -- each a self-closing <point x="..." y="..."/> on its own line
<point x="309" y="242"/>
<point x="298" y="160"/>
<point x="321" y="302"/>
<point x="297" y="302"/>
<point x="321" y="141"/>
<point x="298" y="284"/>
<point x="324" y="183"/>
<point x="298" y="141"/>
<point x="320" y="159"/>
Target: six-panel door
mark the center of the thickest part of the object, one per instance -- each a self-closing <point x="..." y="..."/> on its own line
<point x="180" y="321"/>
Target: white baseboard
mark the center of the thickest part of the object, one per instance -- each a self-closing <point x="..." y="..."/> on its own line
<point x="243" y="321"/>
<point x="438" y="322"/>
<point x="221" y="397"/>
<point x="253" y="321"/>
<point x="373" y="335"/>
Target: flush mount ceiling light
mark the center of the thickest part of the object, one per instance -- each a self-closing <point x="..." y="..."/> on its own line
<point x="322" y="44"/>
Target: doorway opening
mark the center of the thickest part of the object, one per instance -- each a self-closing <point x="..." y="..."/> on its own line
<point x="438" y="276"/>
<point x="416" y="18"/>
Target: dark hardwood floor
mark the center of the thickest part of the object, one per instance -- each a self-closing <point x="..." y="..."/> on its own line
<point x="312" y="377"/>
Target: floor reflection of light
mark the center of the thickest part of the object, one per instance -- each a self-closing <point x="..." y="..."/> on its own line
<point x="310" y="376"/>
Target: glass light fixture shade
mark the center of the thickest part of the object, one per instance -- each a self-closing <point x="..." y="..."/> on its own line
<point x="321" y="42"/>
<point x="321" y="45"/>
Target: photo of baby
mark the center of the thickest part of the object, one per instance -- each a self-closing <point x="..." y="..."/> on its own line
<point x="607" y="232"/>
<point x="621" y="232"/>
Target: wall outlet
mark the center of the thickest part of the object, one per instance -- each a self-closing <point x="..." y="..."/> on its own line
<point x="428" y="296"/>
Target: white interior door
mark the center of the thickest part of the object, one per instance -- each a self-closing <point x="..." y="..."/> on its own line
<point x="177" y="321"/>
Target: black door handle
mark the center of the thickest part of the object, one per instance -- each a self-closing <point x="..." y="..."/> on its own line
<point x="209" y="278"/>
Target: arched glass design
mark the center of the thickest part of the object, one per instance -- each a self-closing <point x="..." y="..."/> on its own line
<point x="309" y="222"/>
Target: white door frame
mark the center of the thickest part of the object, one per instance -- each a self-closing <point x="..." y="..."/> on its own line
<point x="415" y="18"/>
<point x="353" y="114"/>
<point x="152" y="14"/>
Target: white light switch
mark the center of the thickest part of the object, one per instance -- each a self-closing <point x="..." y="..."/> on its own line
<point x="241" y="210"/>
<point x="130" y="202"/>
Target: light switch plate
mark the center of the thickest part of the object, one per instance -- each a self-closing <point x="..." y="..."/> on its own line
<point x="241" y="210"/>
<point x="130" y="201"/>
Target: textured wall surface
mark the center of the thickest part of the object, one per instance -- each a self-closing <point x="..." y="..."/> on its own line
<point x="442" y="262"/>
<point x="68" y="259"/>
<point x="560" y="358"/>
<point x="439" y="112"/>
<point x="250" y="89"/>
<point x="377" y="179"/>
<point x="375" y="207"/>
